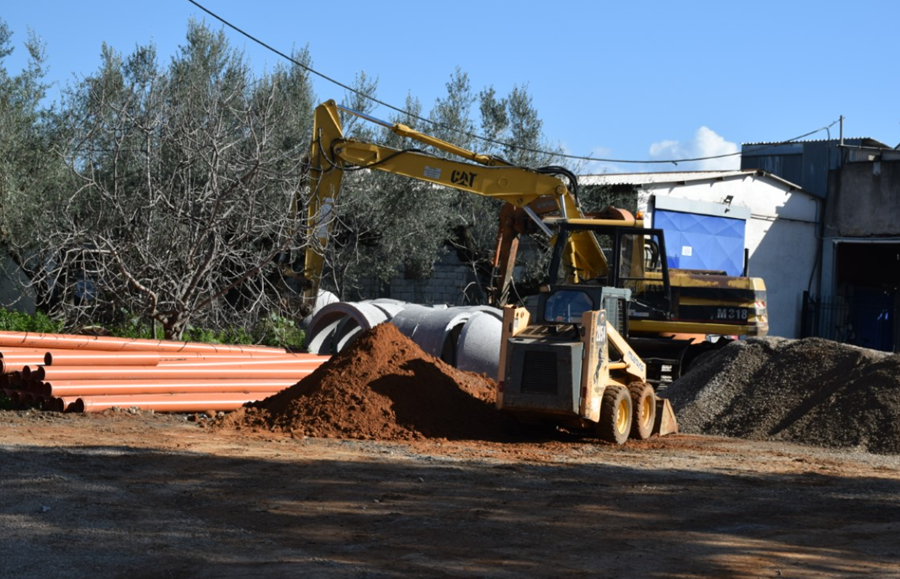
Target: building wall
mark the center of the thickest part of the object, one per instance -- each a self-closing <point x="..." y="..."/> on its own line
<point x="449" y="285"/>
<point x="805" y="163"/>
<point x="864" y="200"/>
<point x="780" y="236"/>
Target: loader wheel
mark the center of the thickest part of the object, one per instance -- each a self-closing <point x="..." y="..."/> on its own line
<point x="643" y="401"/>
<point x="615" y="415"/>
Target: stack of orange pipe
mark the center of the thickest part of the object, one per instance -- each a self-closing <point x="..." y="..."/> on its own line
<point x="63" y="372"/>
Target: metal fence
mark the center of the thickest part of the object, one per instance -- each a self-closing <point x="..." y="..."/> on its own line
<point x="869" y="321"/>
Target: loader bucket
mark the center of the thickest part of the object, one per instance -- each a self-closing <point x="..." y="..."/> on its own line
<point x="665" y="418"/>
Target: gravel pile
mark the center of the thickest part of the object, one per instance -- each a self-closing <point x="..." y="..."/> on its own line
<point x="809" y="391"/>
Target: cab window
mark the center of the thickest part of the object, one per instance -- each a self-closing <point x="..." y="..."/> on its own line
<point x="567" y="306"/>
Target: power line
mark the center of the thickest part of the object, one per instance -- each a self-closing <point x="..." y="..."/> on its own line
<point x="475" y="135"/>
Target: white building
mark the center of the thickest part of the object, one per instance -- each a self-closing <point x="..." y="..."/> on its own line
<point x="780" y="227"/>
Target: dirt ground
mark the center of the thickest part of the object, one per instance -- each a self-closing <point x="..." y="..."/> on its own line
<point x="144" y="495"/>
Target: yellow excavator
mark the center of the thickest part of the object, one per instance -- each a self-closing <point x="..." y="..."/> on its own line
<point x="670" y="312"/>
<point x="572" y="366"/>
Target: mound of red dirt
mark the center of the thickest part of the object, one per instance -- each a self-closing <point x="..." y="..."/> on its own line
<point x="381" y="387"/>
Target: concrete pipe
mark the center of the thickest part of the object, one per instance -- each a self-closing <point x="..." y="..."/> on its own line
<point x="338" y="324"/>
<point x="323" y="299"/>
<point x="478" y="348"/>
<point x="436" y="331"/>
<point x="324" y="325"/>
<point x="408" y="319"/>
<point x="364" y="317"/>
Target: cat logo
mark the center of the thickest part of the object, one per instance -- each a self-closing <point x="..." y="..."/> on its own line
<point x="463" y="178"/>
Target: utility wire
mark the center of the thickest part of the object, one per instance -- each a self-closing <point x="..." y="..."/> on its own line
<point x="475" y="135"/>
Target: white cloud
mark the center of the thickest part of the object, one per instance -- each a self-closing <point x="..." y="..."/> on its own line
<point x="706" y="143"/>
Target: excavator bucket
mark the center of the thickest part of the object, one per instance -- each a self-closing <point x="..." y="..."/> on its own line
<point x="665" y="418"/>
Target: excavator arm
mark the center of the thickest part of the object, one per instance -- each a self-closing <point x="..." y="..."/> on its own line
<point x="331" y="154"/>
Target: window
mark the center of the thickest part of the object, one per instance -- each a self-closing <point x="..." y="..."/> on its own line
<point x="567" y="306"/>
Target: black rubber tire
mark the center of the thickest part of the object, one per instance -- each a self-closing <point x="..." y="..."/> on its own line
<point x="615" y="415"/>
<point x="643" y="404"/>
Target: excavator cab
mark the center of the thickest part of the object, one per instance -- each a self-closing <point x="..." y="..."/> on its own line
<point x="636" y="263"/>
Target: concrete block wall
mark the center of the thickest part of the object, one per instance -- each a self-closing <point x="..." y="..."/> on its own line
<point x="447" y="285"/>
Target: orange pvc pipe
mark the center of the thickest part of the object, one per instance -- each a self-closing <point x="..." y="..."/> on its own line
<point x="15" y="353"/>
<point x="70" y="341"/>
<point x="76" y="358"/>
<point x="165" y="356"/>
<point x="195" y="357"/>
<point x="52" y="373"/>
<point x="123" y="387"/>
<point x="27" y="398"/>
<point x="169" y="402"/>
<point x="16" y="397"/>
<point x="310" y="359"/>
<point x="10" y="366"/>
<point x="63" y="403"/>
<point x="36" y="355"/>
<point x="19" y="352"/>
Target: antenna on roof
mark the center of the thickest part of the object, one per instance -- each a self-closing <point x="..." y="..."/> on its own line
<point x="842" y="130"/>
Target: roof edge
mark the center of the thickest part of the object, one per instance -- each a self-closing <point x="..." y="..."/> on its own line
<point x="698" y="176"/>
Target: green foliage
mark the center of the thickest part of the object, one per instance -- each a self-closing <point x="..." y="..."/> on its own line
<point x="13" y="321"/>
<point x="165" y="189"/>
<point x="186" y="175"/>
<point x="274" y="330"/>
<point x="514" y="121"/>
<point x="30" y="169"/>
<point x="279" y="331"/>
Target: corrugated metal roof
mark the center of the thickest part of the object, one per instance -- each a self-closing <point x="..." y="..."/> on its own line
<point x="682" y="177"/>
<point x="853" y="141"/>
<point x="803" y="162"/>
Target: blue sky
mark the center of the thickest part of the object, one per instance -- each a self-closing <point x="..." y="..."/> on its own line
<point x="621" y="80"/>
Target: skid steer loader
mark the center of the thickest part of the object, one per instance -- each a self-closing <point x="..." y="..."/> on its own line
<point x="571" y="366"/>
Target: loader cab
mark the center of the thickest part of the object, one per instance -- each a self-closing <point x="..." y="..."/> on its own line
<point x="564" y="305"/>
<point x="636" y="262"/>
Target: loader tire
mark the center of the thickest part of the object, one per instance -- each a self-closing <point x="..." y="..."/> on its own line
<point x="643" y="403"/>
<point x="615" y="415"/>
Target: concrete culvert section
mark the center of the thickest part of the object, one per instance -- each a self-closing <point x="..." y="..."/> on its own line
<point x="361" y="317"/>
<point x="320" y="335"/>
<point x="324" y="298"/>
<point x="465" y="337"/>
<point x="437" y="331"/>
<point x="810" y="391"/>
<point x="478" y="347"/>
<point x="410" y="318"/>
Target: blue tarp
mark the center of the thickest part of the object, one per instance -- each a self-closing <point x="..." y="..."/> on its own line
<point x="702" y="241"/>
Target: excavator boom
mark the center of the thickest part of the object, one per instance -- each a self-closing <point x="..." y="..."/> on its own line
<point x="331" y="153"/>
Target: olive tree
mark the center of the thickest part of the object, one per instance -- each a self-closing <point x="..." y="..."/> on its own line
<point x="29" y="170"/>
<point x="183" y="181"/>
